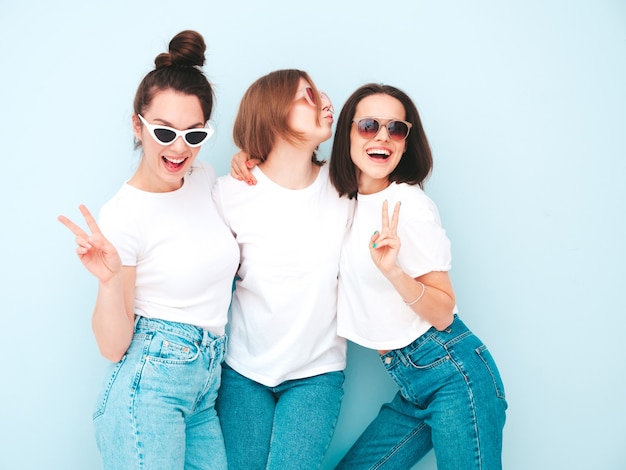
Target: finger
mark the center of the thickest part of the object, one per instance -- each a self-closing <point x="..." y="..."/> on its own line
<point x="373" y="239"/>
<point x="252" y="162"/>
<point x="239" y="169"/>
<point x="75" y="229"/>
<point x="81" y="251"/>
<point x="240" y="165"/>
<point x="83" y="242"/>
<point x="389" y="242"/>
<point x="385" y="216"/>
<point x="394" y="218"/>
<point x="234" y="172"/>
<point x="91" y="222"/>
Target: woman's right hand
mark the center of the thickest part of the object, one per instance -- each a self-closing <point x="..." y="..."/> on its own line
<point x="95" y="252"/>
<point x="240" y="167"/>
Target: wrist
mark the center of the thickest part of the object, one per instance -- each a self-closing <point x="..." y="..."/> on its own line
<point x="394" y="274"/>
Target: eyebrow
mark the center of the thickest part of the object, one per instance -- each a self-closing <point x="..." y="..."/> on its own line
<point x="169" y="124"/>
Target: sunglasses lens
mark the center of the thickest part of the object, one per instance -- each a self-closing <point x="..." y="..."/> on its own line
<point x="398" y="130"/>
<point x="164" y="135"/>
<point x="310" y="95"/>
<point x="196" y="137"/>
<point x="367" y="128"/>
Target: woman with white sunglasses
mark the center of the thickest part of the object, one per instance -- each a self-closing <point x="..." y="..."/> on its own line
<point x="164" y="261"/>
<point x="282" y="383"/>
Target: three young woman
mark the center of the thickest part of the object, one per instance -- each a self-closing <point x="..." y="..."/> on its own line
<point x="164" y="290"/>
<point x="164" y="261"/>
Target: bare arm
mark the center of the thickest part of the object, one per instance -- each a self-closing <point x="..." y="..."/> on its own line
<point x="113" y="315"/>
<point x="434" y="290"/>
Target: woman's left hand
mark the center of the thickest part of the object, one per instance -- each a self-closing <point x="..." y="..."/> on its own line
<point x="385" y="245"/>
<point x="240" y="166"/>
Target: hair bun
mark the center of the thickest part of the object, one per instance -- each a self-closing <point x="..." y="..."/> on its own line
<point x="186" y="49"/>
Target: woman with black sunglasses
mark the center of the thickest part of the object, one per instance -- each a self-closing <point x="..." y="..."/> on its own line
<point x="164" y="261"/>
<point x="395" y="296"/>
<point x="282" y="383"/>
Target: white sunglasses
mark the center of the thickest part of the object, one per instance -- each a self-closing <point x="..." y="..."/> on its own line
<point x="165" y="135"/>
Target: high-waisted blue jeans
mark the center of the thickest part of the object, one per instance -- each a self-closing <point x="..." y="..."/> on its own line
<point x="157" y="408"/>
<point x="289" y="426"/>
<point x="451" y="398"/>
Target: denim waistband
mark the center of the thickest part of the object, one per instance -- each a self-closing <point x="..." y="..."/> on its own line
<point x="455" y="332"/>
<point x="192" y="332"/>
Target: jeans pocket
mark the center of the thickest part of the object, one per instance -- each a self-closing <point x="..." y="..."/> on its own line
<point x="428" y="355"/>
<point x="103" y="398"/>
<point x="170" y="348"/>
<point x="487" y="359"/>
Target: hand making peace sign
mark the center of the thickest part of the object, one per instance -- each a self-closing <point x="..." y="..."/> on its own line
<point x="385" y="245"/>
<point x="95" y="252"/>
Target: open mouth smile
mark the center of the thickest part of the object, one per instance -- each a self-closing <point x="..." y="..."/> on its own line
<point x="173" y="164"/>
<point x="378" y="153"/>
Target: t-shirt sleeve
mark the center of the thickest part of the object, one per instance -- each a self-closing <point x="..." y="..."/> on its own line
<point x="425" y="246"/>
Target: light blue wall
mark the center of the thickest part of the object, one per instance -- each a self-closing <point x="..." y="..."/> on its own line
<point x="524" y="103"/>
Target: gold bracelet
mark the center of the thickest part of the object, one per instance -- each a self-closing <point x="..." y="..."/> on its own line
<point x="419" y="297"/>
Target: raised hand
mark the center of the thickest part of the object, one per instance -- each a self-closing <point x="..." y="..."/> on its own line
<point x="385" y="244"/>
<point x="95" y="252"/>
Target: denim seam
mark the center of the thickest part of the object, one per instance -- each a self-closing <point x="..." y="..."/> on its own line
<point x="397" y="447"/>
<point x="214" y="362"/>
<point x="470" y="393"/>
<point x="133" y="394"/>
<point x="499" y="390"/>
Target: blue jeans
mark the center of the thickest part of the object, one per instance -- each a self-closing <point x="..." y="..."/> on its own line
<point x="451" y="399"/>
<point x="278" y="428"/>
<point x="157" y="408"/>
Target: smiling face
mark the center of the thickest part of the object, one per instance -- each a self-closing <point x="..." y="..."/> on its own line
<point x="376" y="157"/>
<point x="163" y="167"/>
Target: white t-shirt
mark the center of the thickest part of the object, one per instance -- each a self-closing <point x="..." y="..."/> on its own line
<point x="185" y="256"/>
<point x="370" y="311"/>
<point x="283" y="316"/>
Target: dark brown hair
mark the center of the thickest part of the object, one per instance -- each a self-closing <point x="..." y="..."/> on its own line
<point x="179" y="70"/>
<point x="416" y="162"/>
<point x="263" y="112"/>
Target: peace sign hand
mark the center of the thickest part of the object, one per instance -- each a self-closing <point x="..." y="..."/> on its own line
<point x="96" y="253"/>
<point x="385" y="245"/>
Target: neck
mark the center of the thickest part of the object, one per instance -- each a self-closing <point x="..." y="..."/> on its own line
<point x="146" y="181"/>
<point x="367" y="185"/>
<point x="290" y="166"/>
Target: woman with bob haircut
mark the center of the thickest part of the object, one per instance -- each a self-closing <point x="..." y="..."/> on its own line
<point x="395" y="296"/>
<point x="282" y="383"/>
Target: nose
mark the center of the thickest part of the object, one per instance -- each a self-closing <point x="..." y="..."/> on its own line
<point x="382" y="136"/>
<point x="327" y="105"/>
<point x="179" y="143"/>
